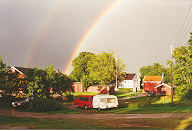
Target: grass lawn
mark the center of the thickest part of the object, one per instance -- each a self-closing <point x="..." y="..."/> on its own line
<point x="100" y="124"/>
<point x="142" y="105"/>
<point x="119" y="95"/>
<point x="84" y="93"/>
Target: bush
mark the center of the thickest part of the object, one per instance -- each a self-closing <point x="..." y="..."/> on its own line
<point x="45" y="105"/>
<point x="70" y="97"/>
<point x="5" y="101"/>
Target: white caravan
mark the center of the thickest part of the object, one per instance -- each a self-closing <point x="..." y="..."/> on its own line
<point x="105" y="101"/>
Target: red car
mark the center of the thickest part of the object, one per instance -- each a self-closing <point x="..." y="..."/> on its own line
<point x="84" y="101"/>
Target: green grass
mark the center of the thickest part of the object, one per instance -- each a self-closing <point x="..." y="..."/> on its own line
<point x="100" y="124"/>
<point x="123" y="95"/>
<point x="144" y="105"/>
<point x="119" y="95"/>
<point x="84" y="93"/>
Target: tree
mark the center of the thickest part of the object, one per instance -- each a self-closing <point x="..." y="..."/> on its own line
<point x="10" y="82"/>
<point x="81" y="71"/>
<point x="103" y="69"/>
<point x="156" y="70"/>
<point x="34" y="80"/>
<point x="182" y="74"/>
<point x="47" y="82"/>
<point x="85" y="82"/>
<point x="2" y="65"/>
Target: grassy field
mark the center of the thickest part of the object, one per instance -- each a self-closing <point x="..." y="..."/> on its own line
<point x="119" y="95"/>
<point x="142" y="105"/>
<point x="6" y="122"/>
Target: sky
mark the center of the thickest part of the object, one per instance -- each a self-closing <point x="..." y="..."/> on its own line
<point x="38" y="33"/>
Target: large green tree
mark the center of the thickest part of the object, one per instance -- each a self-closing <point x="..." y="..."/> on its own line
<point x="81" y="71"/>
<point x="105" y="67"/>
<point x="156" y="70"/>
<point x="182" y="71"/>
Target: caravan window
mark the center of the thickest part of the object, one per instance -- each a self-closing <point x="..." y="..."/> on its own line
<point x="102" y="100"/>
<point x="111" y="100"/>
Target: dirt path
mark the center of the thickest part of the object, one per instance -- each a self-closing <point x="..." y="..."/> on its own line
<point x="15" y="113"/>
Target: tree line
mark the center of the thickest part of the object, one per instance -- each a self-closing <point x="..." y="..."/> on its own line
<point x="42" y="83"/>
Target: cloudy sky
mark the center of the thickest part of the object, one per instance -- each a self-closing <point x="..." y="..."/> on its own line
<point x="42" y="32"/>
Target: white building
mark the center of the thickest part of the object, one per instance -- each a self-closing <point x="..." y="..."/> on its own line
<point x="131" y="81"/>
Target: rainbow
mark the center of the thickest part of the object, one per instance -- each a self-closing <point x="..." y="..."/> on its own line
<point x="41" y="32"/>
<point x="87" y="34"/>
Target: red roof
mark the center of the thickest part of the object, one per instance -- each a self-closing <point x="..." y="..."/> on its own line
<point x="129" y="76"/>
<point x="152" y="78"/>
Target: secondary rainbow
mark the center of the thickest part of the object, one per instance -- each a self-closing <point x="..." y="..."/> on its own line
<point x="41" y="32"/>
<point x="87" y="34"/>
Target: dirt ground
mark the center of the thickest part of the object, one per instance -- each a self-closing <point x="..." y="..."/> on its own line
<point x="16" y="113"/>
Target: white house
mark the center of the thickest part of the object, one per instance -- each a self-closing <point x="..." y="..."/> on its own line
<point x="131" y="81"/>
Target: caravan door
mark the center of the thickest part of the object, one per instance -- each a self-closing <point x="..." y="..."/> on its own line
<point x="102" y="103"/>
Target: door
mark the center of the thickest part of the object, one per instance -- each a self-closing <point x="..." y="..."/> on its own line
<point x="81" y="102"/>
<point x="102" y="103"/>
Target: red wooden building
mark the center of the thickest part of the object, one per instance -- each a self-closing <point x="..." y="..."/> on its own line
<point x="156" y="84"/>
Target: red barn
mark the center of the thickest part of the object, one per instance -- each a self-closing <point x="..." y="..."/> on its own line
<point x="156" y="84"/>
<point x="149" y="82"/>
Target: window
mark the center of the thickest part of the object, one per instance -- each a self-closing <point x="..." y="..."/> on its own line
<point x="102" y="100"/>
<point x="85" y="98"/>
<point x="81" y="98"/>
<point x="111" y="100"/>
<point x="76" y="98"/>
<point x="91" y="98"/>
<point x="163" y="89"/>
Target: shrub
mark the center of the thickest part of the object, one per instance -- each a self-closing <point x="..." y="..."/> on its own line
<point x="5" y="101"/>
<point x="70" y="97"/>
<point x="45" y="105"/>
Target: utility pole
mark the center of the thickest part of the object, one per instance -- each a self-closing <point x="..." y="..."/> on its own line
<point x="171" y="74"/>
<point x="116" y="88"/>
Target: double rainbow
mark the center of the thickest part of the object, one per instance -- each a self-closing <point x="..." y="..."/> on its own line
<point x="46" y="23"/>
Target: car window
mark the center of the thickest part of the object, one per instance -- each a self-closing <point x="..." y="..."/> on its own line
<point x="76" y="98"/>
<point x="85" y="98"/>
<point x="91" y="98"/>
<point x="81" y="98"/>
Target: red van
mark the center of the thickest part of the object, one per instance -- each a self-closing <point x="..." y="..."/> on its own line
<point x="84" y="101"/>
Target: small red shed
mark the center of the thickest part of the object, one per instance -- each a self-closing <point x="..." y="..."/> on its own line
<point x="163" y="89"/>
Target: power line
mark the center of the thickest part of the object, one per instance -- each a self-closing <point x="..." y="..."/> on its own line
<point x="183" y="32"/>
<point x="184" y="23"/>
<point x="186" y="33"/>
